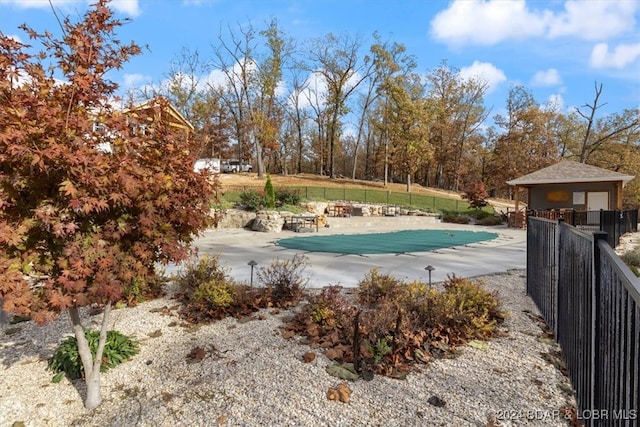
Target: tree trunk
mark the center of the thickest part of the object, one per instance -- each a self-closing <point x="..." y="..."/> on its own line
<point x="91" y="366"/>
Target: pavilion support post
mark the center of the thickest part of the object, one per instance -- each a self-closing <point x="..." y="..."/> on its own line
<point x="619" y="195"/>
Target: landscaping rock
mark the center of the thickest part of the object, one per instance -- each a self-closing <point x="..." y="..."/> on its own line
<point x="268" y="221"/>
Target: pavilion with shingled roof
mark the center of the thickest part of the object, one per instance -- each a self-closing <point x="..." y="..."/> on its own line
<point x="569" y="186"/>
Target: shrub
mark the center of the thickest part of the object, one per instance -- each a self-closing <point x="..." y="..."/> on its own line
<point x="479" y="214"/>
<point x="270" y="198"/>
<point x="464" y="311"/>
<point x="216" y="294"/>
<point x="66" y="360"/>
<point x="330" y="308"/>
<point x="632" y="257"/>
<point x="476" y="194"/>
<point x="253" y="200"/>
<point x="398" y="323"/>
<point x="284" y="279"/>
<point x="287" y="196"/>
<point x="199" y="271"/>
<point x="376" y="287"/>
<point x="455" y="218"/>
<point x="490" y="220"/>
<point x="139" y="289"/>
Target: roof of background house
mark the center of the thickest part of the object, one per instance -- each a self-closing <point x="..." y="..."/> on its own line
<point x="175" y="118"/>
<point x="568" y="172"/>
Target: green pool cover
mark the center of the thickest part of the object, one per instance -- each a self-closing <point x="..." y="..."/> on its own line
<point x="386" y="243"/>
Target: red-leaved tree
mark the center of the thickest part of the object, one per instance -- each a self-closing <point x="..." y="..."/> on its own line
<point x="86" y="210"/>
<point x="476" y="194"/>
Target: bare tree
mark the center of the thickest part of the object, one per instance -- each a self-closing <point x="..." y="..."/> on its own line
<point x="337" y="60"/>
<point x="594" y="137"/>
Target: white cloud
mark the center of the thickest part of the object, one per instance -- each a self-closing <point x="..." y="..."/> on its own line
<point x="134" y="80"/>
<point x="549" y="77"/>
<point x="621" y="56"/>
<point x="39" y="4"/>
<point x="555" y="102"/>
<point x="128" y="7"/>
<point x="215" y="78"/>
<point x="479" y="22"/>
<point x="15" y="37"/>
<point x="593" y="20"/>
<point x="488" y="22"/>
<point x="484" y="71"/>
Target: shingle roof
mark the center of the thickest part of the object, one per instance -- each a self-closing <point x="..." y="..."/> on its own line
<point x="568" y="172"/>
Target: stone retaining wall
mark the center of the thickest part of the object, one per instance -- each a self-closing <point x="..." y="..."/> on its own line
<point x="275" y="221"/>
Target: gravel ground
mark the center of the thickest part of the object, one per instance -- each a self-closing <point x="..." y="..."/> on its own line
<point x="252" y="376"/>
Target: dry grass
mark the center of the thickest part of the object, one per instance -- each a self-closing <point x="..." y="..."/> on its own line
<point x="311" y="180"/>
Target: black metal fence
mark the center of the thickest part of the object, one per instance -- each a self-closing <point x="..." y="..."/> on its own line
<point x="362" y="195"/>
<point x="542" y="286"/>
<point x="613" y="222"/>
<point x="591" y="299"/>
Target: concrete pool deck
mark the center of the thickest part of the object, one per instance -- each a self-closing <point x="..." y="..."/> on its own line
<point x="236" y="247"/>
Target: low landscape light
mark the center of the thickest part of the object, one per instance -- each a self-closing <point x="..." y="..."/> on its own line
<point x="429" y="268"/>
<point x="252" y="263"/>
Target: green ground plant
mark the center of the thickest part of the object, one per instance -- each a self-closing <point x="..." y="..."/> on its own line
<point x="66" y="360"/>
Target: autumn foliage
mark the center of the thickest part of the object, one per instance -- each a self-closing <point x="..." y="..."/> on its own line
<point x="86" y="210"/>
<point x="476" y="194"/>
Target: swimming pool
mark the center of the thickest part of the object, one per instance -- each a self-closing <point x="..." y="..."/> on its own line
<point x="387" y="243"/>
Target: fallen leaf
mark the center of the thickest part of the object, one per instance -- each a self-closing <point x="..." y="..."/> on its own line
<point x="421" y="356"/>
<point x="333" y="354"/>
<point x="342" y="393"/>
<point x="332" y="394"/>
<point x="155" y="334"/>
<point x="480" y="345"/>
<point x="288" y="334"/>
<point x="196" y="354"/>
<point x="345" y="371"/>
<point x="309" y="357"/>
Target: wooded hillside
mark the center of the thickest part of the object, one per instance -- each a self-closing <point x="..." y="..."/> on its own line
<point x="345" y="105"/>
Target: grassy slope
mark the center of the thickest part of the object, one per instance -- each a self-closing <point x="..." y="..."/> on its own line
<point x="311" y="180"/>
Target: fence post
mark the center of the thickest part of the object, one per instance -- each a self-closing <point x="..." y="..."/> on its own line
<point x="596" y="357"/>
<point x="556" y="275"/>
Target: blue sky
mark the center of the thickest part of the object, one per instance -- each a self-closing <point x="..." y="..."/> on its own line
<point x="557" y="49"/>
